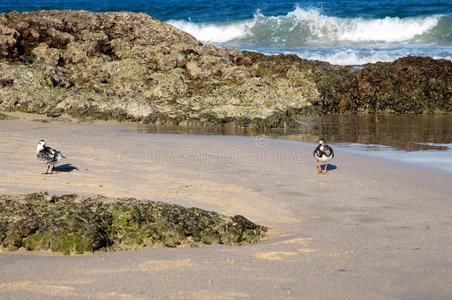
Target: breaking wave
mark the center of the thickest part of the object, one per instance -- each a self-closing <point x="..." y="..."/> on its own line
<point x="313" y="35"/>
<point x="302" y="27"/>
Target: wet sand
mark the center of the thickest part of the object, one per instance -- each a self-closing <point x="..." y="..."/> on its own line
<point x="371" y="229"/>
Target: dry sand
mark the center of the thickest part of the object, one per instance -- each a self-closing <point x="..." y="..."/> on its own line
<point x="371" y="229"/>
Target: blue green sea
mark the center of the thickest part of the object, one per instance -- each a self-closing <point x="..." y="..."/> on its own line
<point x="344" y="32"/>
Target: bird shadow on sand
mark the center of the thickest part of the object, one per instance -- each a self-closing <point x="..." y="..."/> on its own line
<point x="65" y="168"/>
<point x="329" y="167"/>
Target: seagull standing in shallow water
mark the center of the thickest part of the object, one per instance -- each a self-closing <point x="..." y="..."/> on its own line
<point x="323" y="153"/>
<point x="48" y="155"/>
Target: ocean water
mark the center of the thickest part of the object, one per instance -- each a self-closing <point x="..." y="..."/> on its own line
<point x="344" y="32"/>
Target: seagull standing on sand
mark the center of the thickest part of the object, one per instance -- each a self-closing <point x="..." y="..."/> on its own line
<point x="48" y="155"/>
<point x="323" y="153"/>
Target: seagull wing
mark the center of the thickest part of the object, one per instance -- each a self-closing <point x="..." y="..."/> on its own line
<point x="49" y="154"/>
<point x="45" y="156"/>
<point x="328" y="151"/>
<point x="317" y="152"/>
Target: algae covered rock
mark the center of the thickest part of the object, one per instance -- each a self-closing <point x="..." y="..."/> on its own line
<point x="130" y="66"/>
<point x="77" y="224"/>
<point x="407" y="85"/>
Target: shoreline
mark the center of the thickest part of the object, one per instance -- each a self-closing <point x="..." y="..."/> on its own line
<point x="371" y="228"/>
<point x="384" y="153"/>
<point x="400" y="157"/>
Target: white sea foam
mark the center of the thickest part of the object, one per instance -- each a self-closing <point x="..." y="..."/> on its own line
<point x="215" y="32"/>
<point x="307" y="26"/>
<point x="350" y="57"/>
<point x="363" y="30"/>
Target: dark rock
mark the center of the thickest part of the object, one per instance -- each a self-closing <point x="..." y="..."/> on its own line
<point x="408" y="85"/>
<point x="6" y="82"/>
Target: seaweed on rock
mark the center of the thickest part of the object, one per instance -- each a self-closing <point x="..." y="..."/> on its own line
<point x="76" y="224"/>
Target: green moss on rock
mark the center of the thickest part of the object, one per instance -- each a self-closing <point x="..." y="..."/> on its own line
<point x="72" y="224"/>
<point x="408" y="85"/>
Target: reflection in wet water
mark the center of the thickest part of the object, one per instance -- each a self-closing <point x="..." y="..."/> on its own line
<point x="406" y="132"/>
<point x="400" y="132"/>
<point x="423" y="140"/>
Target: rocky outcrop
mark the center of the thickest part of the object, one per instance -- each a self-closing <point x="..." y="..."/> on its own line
<point x="129" y="66"/>
<point x="407" y="85"/>
<point x="77" y="224"/>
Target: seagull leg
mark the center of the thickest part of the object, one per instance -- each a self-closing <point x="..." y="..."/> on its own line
<point x="51" y="172"/>
<point x="47" y="171"/>
<point x="319" y="168"/>
<point x="324" y="171"/>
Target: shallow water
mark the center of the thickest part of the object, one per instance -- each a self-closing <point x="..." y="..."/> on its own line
<point x="424" y="140"/>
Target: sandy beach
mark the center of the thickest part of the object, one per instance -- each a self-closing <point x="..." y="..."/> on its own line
<point x="370" y="229"/>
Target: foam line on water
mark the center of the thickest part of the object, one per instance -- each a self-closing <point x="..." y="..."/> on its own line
<point x="302" y="27"/>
